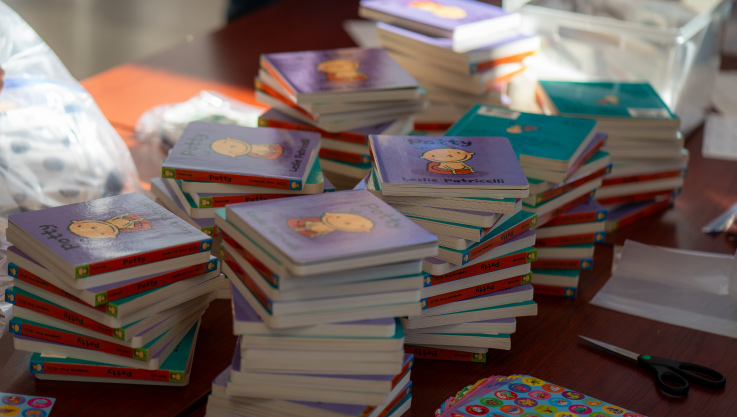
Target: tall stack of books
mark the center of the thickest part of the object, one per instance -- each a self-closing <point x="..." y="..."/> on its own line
<point x="562" y="160"/>
<point x="649" y="162"/>
<point x="467" y="191"/>
<point x="342" y="94"/>
<point x="463" y="52"/>
<point x="109" y="290"/>
<point x="318" y="283"/>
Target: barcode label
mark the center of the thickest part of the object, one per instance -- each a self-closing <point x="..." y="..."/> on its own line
<point x="648" y="113"/>
<point x="498" y="112"/>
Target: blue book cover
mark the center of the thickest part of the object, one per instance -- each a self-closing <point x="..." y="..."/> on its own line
<point x="553" y="142"/>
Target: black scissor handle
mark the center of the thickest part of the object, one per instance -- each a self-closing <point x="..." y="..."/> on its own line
<point x="702" y="375"/>
<point x="673" y="376"/>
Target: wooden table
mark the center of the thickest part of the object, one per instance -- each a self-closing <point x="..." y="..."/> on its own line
<point x="545" y="346"/>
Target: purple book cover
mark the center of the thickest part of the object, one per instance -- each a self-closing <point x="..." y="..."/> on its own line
<point x="214" y="152"/>
<point x="591" y="206"/>
<point x="109" y="234"/>
<point x="337" y="70"/>
<point x="444" y="14"/>
<point x="322" y="227"/>
<point x="447" y="43"/>
<point x="165" y="186"/>
<point x="624" y="210"/>
<point x="448" y="161"/>
<point x="244" y="313"/>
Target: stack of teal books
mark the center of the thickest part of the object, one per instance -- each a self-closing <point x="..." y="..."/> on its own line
<point x="468" y="192"/>
<point x="649" y="162"/>
<point x="110" y="290"/>
<point x="318" y="284"/>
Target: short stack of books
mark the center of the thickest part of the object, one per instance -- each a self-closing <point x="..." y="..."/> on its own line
<point x="648" y="159"/>
<point x="467" y="191"/>
<point x="109" y="290"/>
<point x="318" y="285"/>
<point x="343" y="94"/>
<point x="462" y="52"/>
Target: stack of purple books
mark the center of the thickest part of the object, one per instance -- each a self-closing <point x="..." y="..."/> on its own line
<point x="115" y="285"/>
<point x="319" y="283"/>
<point x="463" y="52"/>
<point x="342" y="94"/>
<point x="467" y="191"/>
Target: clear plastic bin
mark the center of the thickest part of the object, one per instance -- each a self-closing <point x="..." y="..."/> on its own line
<point x="675" y="45"/>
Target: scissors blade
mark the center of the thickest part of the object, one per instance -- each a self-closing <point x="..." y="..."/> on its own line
<point x="615" y="350"/>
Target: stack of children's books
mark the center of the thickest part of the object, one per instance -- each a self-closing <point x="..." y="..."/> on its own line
<point x="467" y="191"/>
<point x="109" y="290"/>
<point x="318" y="285"/>
<point x="562" y="160"/>
<point x="343" y="95"/>
<point x="649" y="162"/>
<point x="463" y="52"/>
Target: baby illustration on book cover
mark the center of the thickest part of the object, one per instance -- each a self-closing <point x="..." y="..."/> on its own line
<point x="330" y="222"/>
<point x="439" y="10"/>
<point x="237" y="147"/>
<point x="448" y="161"/>
<point x="341" y="70"/>
<point x="107" y="229"/>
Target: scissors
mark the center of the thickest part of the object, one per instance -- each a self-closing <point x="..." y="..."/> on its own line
<point x="671" y="376"/>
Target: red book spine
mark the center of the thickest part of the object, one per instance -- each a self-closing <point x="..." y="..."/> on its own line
<point x="266" y="65"/>
<point x="501" y="238"/>
<point x="467" y="293"/>
<point x="159" y="281"/>
<point x="222" y="201"/>
<point x="432" y="126"/>
<point x="646" y="211"/>
<point x="395" y="401"/>
<point x="570" y="240"/>
<point x="405" y="368"/>
<point x="253" y="180"/>
<point x="143" y="258"/>
<point x="79" y="341"/>
<point x="100" y="371"/>
<point x="567" y="292"/>
<point x="350" y="137"/>
<point x="562" y="264"/>
<point x="423" y="352"/>
<point x="642" y="177"/>
<point x="511" y="59"/>
<point x="633" y="198"/>
<point x="243" y="276"/>
<point x="574" y="218"/>
<point x="565" y="187"/>
<point x="486" y="266"/>
<point x="545" y="218"/>
<point x="353" y="158"/>
<point x="255" y="263"/>
<point x="586" y="157"/>
<point x="34" y="280"/>
<point x="285" y="100"/>
<point x="57" y="312"/>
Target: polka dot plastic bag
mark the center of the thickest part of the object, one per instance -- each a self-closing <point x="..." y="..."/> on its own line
<point x="56" y="147"/>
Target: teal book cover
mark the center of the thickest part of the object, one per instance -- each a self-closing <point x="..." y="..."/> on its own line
<point x="629" y="100"/>
<point x="537" y="139"/>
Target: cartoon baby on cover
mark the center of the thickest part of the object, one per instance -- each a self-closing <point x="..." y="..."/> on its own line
<point x="341" y="70"/>
<point x="439" y="10"/>
<point x="448" y="161"/>
<point x="37" y="367"/>
<point x="330" y="222"/>
<point x="107" y="229"/>
<point x="236" y="147"/>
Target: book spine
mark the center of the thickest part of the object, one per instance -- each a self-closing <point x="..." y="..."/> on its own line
<point x="642" y="177"/>
<point x="243" y="277"/>
<point x="266" y="65"/>
<point x="482" y="66"/>
<point x="222" y="201"/>
<point x="575" y="218"/>
<point x="422" y="126"/>
<point x="563" y="188"/>
<point x="102" y="371"/>
<point x="354" y="158"/>
<point x="476" y="291"/>
<point x="571" y="239"/>
<point x="252" y="180"/>
<point x="75" y="340"/>
<point x="586" y="157"/>
<point x="405" y="368"/>
<point x="490" y="244"/>
<point x="484" y="267"/>
<point x="545" y="218"/>
<point x="398" y="399"/>
<point x="284" y="100"/>
<point x="157" y="281"/>
<point x="423" y="352"/>
<point x="349" y="137"/>
<point x="634" y="198"/>
<point x="637" y="215"/>
<point x="56" y="312"/>
<point x="567" y="292"/>
<point x="248" y="256"/>
<point x="29" y="278"/>
<point x="587" y="263"/>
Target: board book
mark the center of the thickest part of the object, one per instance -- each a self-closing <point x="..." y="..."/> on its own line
<point x="440" y="354"/>
<point x="174" y="371"/>
<point x="489" y="295"/>
<point x="331" y="232"/>
<point x="491" y="341"/>
<point x="261" y="157"/>
<point x="347" y="74"/>
<point x="521" y="309"/>
<point x="108" y="240"/>
<point x="468" y="24"/>
<point x="504" y="325"/>
<point x="452" y="166"/>
<point x="165" y="197"/>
